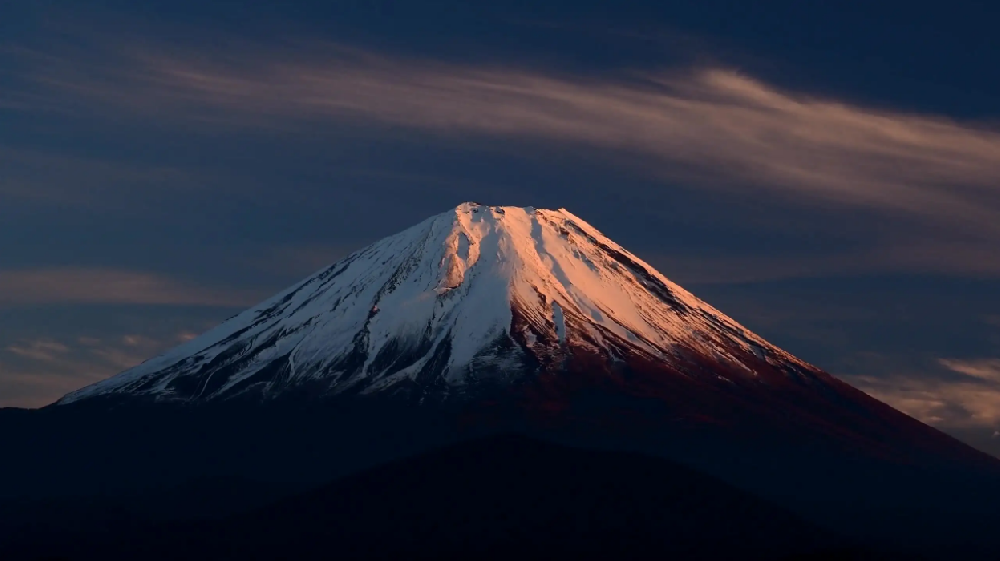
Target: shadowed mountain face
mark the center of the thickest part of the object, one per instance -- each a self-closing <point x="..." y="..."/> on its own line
<point x="492" y="498"/>
<point x="488" y="320"/>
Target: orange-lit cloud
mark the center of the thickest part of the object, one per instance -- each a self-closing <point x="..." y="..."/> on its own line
<point x="987" y="370"/>
<point x="711" y="126"/>
<point x="111" y="286"/>
<point x="972" y="400"/>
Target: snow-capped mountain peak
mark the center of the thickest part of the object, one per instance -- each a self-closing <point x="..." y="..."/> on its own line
<point x="476" y="295"/>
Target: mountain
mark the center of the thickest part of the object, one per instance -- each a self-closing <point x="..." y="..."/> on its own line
<point x="534" y="305"/>
<point x="493" y="498"/>
<point x="486" y="320"/>
<point x="450" y="309"/>
<point x="495" y="308"/>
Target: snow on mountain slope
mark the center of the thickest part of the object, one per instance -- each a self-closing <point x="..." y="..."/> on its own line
<point x="476" y="294"/>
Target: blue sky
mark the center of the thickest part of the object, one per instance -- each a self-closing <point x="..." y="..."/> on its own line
<point x="827" y="173"/>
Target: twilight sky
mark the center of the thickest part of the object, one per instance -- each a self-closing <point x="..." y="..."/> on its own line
<point x="827" y="173"/>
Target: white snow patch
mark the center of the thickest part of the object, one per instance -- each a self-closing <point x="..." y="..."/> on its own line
<point x="560" y="321"/>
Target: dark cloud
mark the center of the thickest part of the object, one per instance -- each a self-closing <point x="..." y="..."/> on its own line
<point x="979" y="260"/>
<point x="33" y="176"/>
<point x="110" y="286"/>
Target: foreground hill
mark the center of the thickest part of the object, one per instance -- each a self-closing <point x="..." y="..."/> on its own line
<point x="497" y="497"/>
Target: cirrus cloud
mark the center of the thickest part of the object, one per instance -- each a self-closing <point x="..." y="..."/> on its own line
<point x="712" y="126"/>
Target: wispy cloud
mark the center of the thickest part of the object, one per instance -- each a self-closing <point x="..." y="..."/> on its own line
<point x="716" y="126"/>
<point x="39" y="350"/>
<point x="111" y="286"/>
<point x="987" y="370"/>
<point x="969" y="400"/>
<point x="37" y="372"/>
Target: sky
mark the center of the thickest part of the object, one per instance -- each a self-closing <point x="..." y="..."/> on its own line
<point x="826" y="173"/>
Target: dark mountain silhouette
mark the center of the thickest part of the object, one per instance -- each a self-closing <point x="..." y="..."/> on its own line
<point x="493" y="498"/>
